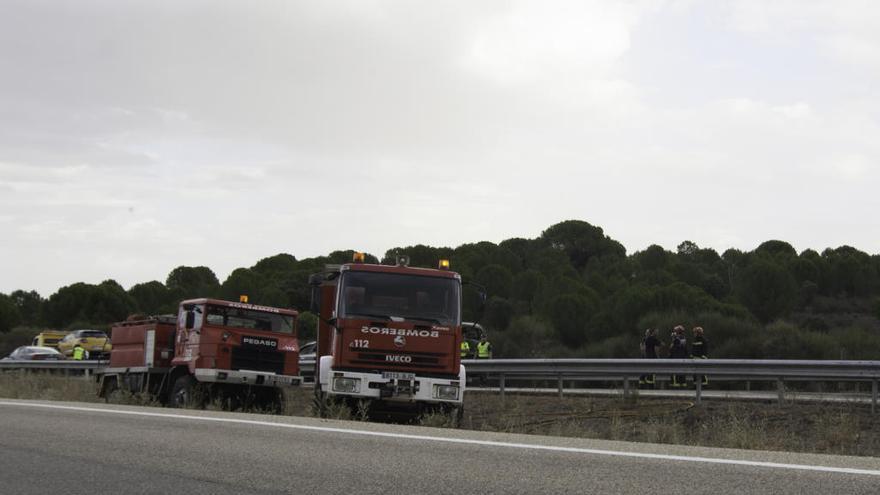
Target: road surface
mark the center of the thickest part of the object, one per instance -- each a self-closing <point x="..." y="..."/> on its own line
<point x="90" y="448"/>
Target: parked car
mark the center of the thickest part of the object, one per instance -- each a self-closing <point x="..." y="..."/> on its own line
<point x="32" y="352"/>
<point x="95" y="342"/>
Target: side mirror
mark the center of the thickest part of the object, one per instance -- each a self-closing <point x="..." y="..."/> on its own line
<point x="190" y="320"/>
<point x="315" y="304"/>
<point x="316" y="279"/>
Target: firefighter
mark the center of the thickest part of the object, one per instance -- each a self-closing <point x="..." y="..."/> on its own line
<point x="678" y="350"/>
<point x="700" y="350"/>
<point x="465" y="349"/>
<point x="78" y="352"/>
<point x="484" y="348"/>
<point x="649" y="351"/>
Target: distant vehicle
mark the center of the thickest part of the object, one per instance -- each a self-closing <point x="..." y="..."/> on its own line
<point x="49" y="338"/>
<point x="35" y="353"/>
<point x="472" y="333"/>
<point x="95" y="342"/>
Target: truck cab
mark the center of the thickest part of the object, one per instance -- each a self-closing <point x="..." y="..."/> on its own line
<point x="236" y="342"/>
<point x="389" y="333"/>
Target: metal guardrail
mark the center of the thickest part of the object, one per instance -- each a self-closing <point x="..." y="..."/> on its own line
<point x="626" y="370"/>
<point x="629" y="369"/>
<point x="86" y="366"/>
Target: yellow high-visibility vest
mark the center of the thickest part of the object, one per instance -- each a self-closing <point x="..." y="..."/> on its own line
<point x="465" y="348"/>
<point x="78" y="353"/>
<point x="483" y="350"/>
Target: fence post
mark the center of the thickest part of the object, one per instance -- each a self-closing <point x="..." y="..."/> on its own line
<point x="780" y="386"/>
<point x="559" y="383"/>
<point x="699" y="390"/>
<point x="873" y="396"/>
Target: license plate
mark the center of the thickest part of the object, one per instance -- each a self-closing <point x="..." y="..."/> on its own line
<point x="397" y="375"/>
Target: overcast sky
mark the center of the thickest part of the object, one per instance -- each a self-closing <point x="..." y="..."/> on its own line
<point x="136" y="137"/>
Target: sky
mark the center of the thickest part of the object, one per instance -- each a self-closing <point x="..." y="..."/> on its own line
<point x="140" y="136"/>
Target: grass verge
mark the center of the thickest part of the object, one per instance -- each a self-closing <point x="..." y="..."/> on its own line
<point x="827" y="428"/>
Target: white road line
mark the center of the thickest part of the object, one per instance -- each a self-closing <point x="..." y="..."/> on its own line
<point x="487" y="443"/>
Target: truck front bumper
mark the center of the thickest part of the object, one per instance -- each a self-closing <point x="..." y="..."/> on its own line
<point x="379" y="386"/>
<point x="246" y="377"/>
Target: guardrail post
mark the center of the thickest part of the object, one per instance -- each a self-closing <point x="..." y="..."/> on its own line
<point x="699" y="383"/>
<point x="501" y="384"/>
<point x="780" y="386"/>
<point x="873" y="396"/>
<point x="86" y="374"/>
<point x="625" y="386"/>
<point x="559" y="383"/>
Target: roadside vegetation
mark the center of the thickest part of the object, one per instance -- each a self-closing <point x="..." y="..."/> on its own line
<point x="573" y="291"/>
<point x="826" y="428"/>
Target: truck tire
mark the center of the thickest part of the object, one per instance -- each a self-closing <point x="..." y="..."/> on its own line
<point x="182" y="392"/>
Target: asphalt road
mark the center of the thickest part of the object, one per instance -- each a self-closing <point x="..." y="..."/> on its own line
<point x="88" y="448"/>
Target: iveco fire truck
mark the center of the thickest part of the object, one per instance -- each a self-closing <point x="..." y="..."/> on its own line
<point x="389" y="334"/>
<point x="237" y="349"/>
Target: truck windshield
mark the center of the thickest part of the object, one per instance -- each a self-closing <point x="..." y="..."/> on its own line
<point x="393" y="295"/>
<point x="249" y="319"/>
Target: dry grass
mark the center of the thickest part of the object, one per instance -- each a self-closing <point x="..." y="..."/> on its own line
<point x="838" y="428"/>
<point x="46" y="386"/>
<point x="844" y="429"/>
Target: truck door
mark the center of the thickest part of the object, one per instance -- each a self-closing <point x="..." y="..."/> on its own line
<point x="189" y="328"/>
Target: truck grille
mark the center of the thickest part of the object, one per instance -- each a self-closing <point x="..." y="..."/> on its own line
<point x="419" y="359"/>
<point x="257" y="360"/>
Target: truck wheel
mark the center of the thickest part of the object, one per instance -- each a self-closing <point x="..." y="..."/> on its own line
<point x="182" y="392"/>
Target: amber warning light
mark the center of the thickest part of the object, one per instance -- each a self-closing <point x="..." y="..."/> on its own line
<point x="243" y="299"/>
<point x="358" y="257"/>
<point x="444" y="264"/>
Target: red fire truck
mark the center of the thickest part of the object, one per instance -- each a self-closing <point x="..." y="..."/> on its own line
<point x="389" y="334"/>
<point x="233" y="349"/>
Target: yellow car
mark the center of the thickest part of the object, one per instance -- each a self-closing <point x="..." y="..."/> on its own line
<point x="95" y="342"/>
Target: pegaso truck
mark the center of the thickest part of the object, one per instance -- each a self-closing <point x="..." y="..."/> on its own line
<point x="389" y="335"/>
<point x="237" y="350"/>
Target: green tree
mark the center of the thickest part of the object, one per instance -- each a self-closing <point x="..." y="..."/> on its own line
<point x="242" y="281"/>
<point x="570" y="314"/>
<point x="496" y="279"/>
<point x="9" y="315"/>
<point x="189" y="282"/>
<point x="498" y="313"/>
<point x="30" y="306"/>
<point x="581" y="241"/>
<point x="767" y="289"/>
<point x="152" y="298"/>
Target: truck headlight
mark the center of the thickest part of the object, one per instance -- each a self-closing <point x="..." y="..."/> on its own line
<point x="346" y="385"/>
<point x="446" y="392"/>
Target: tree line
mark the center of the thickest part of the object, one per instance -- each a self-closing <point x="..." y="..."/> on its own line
<point x="571" y="292"/>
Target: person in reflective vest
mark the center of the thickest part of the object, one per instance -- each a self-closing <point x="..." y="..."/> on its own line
<point x="78" y="352"/>
<point x="700" y="350"/>
<point x="678" y="350"/>
<point x="465" y="349"/>
<point x="649" y="351"/>
<point x="484" y="349"/>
